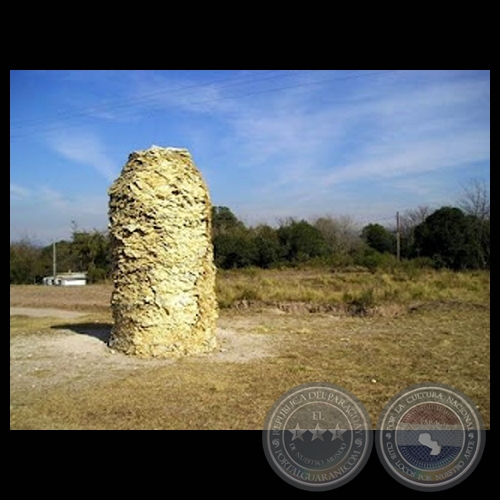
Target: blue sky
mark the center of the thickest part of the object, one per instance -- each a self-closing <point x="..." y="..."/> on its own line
<point x="270" y="143"/>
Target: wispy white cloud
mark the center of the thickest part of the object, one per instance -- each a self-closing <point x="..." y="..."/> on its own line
<point x="401" y="160"/>
<point x="378" y="137"/>
<point x="38" y="195"/>
<point x="18" y="192"/>
<point x="83" y="147"/>
<point x="383" y="148"/>
<point x="292" y="143"/>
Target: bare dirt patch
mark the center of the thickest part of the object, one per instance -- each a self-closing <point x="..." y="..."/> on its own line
<point x="77" y="354"/>
<point x="48" y="354"/>
<point x="93" y="298"/>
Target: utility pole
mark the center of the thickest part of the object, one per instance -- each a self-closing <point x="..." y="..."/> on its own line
<point x="398" y="238"/>
<point x="54" y="267"/>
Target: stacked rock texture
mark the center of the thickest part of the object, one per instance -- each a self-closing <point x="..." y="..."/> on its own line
<point x="163" y="300"/>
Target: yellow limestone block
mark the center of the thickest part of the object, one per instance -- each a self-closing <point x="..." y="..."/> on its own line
<point x="163" y="300"/>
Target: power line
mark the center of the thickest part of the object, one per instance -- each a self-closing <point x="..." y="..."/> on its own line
<point x="151" y="97"/>
<point x="148" y="97"/>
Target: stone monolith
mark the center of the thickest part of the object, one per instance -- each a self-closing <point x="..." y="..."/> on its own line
<point x="163" y="301"/>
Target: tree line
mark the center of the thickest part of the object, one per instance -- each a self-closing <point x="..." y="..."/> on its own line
<point x="448" y="237"/>
<point x="87" y="251"/>
<point x="457" y="238"/>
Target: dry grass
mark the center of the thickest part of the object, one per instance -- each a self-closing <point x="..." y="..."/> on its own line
<point x="342" y="288"/>
<point x="443" y="336"/>
<point x="305" y="286"/>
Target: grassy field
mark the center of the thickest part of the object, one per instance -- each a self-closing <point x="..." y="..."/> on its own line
<point x="371" y="333"/>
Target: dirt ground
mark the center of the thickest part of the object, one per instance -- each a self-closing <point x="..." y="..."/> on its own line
<point x="64" y="376"/>
<point x="72" y="352"/>
<point x="46" y="312"/>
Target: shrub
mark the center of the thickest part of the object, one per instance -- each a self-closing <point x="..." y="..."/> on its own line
<point x="360" y="304"/>
<point x="369" y="258"/>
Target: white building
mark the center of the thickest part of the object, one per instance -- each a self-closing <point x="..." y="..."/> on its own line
<point x="66" y="279"/>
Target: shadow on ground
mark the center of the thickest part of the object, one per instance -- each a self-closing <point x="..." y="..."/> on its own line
<point x="98" y="330"/>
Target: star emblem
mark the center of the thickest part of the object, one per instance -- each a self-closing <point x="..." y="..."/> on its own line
<point x="337" y="433"/>
<point x="317" y="433"/>
<point x="297" y="432"/>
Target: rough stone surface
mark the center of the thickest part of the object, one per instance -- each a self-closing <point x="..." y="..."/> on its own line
<point x="163" y="301"/>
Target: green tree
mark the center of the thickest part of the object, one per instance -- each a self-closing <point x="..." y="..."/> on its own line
<point x="379" y="238"/>
<point x="300" y="241"/>
<point x="234" y="246"/>
<point x="448" y="237"/>
<point x="66" y="260"/>
<point x="267" y="246"/>
<point x="25" y="263"/>
<point x="234" y="249"/>
<point x="91" y="252"/>
<point x="224" y="221"/>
